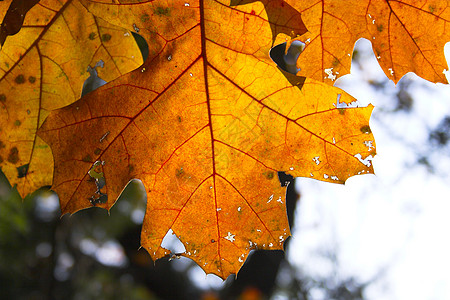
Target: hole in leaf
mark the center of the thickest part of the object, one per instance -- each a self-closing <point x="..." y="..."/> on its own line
<point x="288" y="61"/>
<point x="96" y="173"/>
<point x="22" y="171"/>
<point x="284" y="178"/>
<point x="93" y="82"/>
<point x="172" y="243"/>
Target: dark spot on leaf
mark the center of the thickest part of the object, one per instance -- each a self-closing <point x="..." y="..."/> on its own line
<point x="380" y="27"/>
<point x="179" y="119"/>
<point x="366" y="129"/>
<point x="13" y="156"/>
<point x="179" y="172"/>
<point x="269" y="175"/>
<point x="32" y="79"/>
<point x="131" y="168"/>
<point x="253" y="12"/>
<point x="161" y="11"/>
<point x="431" y="8"/>
<point x="2" y="145"/>
<point x="97" y="151"/>
<point x="106" y="37"/>
<point x="92" y="36"/>
<point x="341" y="110"/>
<point x="87" y="158"/>
<point x="145" y="18"/>
<point x="20" y="79"/>
<point x="213" y="241"/>
<point x="22" y="171"/>
<point x="1" y="159"/>
<point x="2" y="97"/>
<point x="336" y="62"/>
<point x="17" y="123"/>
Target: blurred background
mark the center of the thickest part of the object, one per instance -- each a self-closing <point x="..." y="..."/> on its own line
<point x="382" y="236"/>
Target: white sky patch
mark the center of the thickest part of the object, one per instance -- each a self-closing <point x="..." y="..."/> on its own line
<point x="230" y="237"/>
<point x="369" y="144"/>
<point x="204" y="281"/>
<point x="111" y="254"/>
<point x="316" y="159"/>
<point x="172" y="243"/>
<point x="366" y="161"/>
<point x="339" y="104"/>
<point x="329" y="72"/>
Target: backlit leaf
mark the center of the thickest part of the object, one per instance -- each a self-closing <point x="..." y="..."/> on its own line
<point x="206" y="123"/>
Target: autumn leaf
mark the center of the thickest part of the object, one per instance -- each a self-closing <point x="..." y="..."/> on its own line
<point x="42" y="68"/>
<point x="406" y="36"/>
<point x="205" y="125"/>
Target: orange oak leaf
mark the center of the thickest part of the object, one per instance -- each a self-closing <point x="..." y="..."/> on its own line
<point x="42" y="68"/>
<point x="407" y="36"/>
<point x="205" y="125"/>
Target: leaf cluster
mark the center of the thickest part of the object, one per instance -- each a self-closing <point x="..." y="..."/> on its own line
<point x="208" y="119"/>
